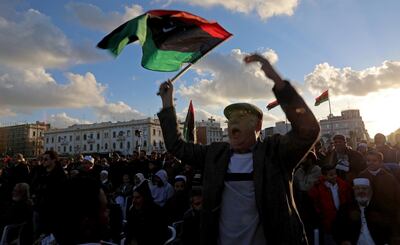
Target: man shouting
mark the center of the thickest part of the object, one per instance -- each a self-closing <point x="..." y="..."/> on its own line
<point x="247" y="190"/>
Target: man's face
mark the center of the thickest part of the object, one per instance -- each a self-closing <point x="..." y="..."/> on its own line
<point x="126" y="179"/>
<point x="197" y="202"/>
<point x="373" y="162"/>
<point x="340" y="145"/>
<point x="47" y="162"/>
<point x="362" y="194"/>
<point x="137" y="200"/>
<point x="157" y="181"/>
<point x="17" y="193"/>
<point x="241" y="131"/>
<point x="179" y="186"/>
<point x="331" y="176"/>
<point x="379" y="139"/>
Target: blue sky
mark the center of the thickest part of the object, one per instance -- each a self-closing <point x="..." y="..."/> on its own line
<point x="51" y="70"/>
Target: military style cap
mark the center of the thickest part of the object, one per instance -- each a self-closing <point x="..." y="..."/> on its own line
<point x="245" y="108"/>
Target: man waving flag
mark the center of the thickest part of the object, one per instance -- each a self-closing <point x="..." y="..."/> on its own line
<point x="168" y="38"/>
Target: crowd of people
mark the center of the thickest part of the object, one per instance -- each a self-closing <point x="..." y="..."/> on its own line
<point x="284" y="189"/>
<point x="90" y="199"/>
<point x="351" y="196"/>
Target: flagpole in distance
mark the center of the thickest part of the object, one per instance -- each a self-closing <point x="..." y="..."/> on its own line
<point x="329" y="100"/>
<point x="184" y="70"/>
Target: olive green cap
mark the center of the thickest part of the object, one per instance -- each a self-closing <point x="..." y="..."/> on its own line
<point x="245" y="107"/>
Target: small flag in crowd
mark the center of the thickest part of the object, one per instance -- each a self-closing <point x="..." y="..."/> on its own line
<point x="188" y="128"/>
<point x="273" y="104"/>
<point x="168" y="38"/>
<point x="322" y="98"/>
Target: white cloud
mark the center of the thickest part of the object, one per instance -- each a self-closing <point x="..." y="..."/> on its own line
<point x="117" y="112"/>
<point x="263" y="8"/>
<point x="93" y="17"/>
<point x="35" y="88"/>
<point x="33" y="41"/>
<point x="62" y="120"/>
<point x="347" y="81"/>
<point x="6" y="112"/>
<point x="231" y="80"/>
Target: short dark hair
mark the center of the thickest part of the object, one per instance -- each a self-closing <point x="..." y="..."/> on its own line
<point x="52" y="154"/>
<point x="326" y="168"/>
<point x="378" y="154"/>
<point x="339" y="137"/>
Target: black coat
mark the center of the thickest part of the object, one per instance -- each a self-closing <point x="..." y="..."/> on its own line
<point x="274" y="160"/>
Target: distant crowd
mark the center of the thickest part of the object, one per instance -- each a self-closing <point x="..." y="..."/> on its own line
<point x="157" y="199"/>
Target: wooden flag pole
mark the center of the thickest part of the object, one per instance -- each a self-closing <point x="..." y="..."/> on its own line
<point x="184" y="70"/>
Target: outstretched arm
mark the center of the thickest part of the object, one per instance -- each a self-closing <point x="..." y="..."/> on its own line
<point x="191" y="153"/>
<point x="305" y="128"/>
<point x="267" y="68"/>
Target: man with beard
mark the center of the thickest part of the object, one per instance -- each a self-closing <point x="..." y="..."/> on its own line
<point x="386" y="190"/>
<point x="247" y="182"/>
<point x="362" y="221"/>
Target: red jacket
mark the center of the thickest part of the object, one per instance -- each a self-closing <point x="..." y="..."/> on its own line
<point x="322" y="199"/>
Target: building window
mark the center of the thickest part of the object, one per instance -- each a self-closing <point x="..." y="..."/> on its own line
<point x="120" y="133"/>
<point x="121" y="145"/>
<point x="98" y="136"/>
<point x="145" y="144"/>
<point x="105" y="146"/>
<point x="154" y="131"/>
<point x="128" y="145"/>
<point x="77" y="137"/>
<point x="52" y="139"/>
<point x="84" y="137"/>
<point x="114" y="134"/>
<point x="91" y="136"/>
<point x="70" y="148"/>
<point x="114" y="146"/>
<point x="59" y="139"/>
<point x="154" y="143"/>
<point x="70" y="138"/>
<point x="128" y="133"/>
<point x="91" y="147"/>
<point x="159" y="132"/>
<point x="40" y="133"/>
<point x="58" y="149"/>
<point x="106" y="135"/>
<point x="47" y="140"/>
<point x="84" y="147"/>
<point x="98" y="147"/>
<point x="65" y="149"/>
<point x="34" y="133"/>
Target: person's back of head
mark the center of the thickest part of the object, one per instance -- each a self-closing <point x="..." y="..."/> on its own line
<point x="81" y="212"/>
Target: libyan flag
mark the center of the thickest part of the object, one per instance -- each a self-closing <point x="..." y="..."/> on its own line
<point x="168" y="38"/>
<point x="273" y="104"/>
<point x="322" y="98"/>
<point x="188" y="128"/>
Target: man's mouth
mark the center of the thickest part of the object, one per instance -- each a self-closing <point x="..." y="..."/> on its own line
<point x="235" y="130"/>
